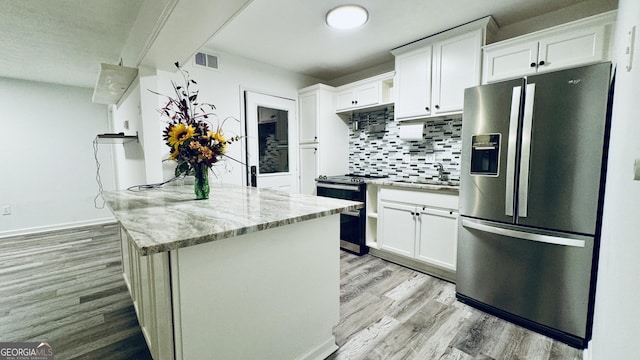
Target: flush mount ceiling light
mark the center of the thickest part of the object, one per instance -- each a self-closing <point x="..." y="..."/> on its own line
<point x="347" y="17"/>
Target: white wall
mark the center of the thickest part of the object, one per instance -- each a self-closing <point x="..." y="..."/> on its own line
<point x="47" y="166"/>
<point x="617" y="310"/>
<point x="222" y="88"/>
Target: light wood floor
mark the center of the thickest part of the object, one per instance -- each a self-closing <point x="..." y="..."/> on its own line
<point x="66" y="288"/>
<point x="390" y="312"/>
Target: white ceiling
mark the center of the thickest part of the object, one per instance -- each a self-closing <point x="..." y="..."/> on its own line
<point x="64" y="41"/>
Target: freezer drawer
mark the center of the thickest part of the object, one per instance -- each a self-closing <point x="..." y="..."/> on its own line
<point x="544" y="277"/>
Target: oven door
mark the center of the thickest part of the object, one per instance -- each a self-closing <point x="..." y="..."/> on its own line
<point x="352" y="224"/>
<point x="352" y="231"/>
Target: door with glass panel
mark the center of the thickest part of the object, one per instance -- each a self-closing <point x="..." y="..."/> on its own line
<point x="271" y="142"/>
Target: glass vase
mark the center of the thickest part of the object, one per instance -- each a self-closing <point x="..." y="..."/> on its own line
<point x="201" y="184"/>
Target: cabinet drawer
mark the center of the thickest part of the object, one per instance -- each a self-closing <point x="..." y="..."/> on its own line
<point x="423" y="198"/>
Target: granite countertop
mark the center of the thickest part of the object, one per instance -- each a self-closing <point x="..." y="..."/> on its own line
<point x="450" y="187"/>
<point x="169" y="218"/>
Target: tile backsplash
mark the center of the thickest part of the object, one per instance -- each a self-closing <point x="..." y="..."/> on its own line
<point x="375" y="147"/>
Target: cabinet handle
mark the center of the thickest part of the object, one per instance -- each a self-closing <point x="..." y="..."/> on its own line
<point x="533" y="64"/>
<point x="541" y="62"/>
<point x="437" y="107"/>
<point x="315" y="138"/>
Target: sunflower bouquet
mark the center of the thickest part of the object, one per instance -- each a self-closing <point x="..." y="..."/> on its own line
<point x="194" y="144"/>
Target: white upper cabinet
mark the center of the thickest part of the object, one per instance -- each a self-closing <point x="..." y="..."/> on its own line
<point x="324" y="137"/>
<point x="364" y="94"/>
<point x="413" y="84"/>
<point x="456" y="66"/>
<point x="309" y="114"/>
<point x="431" y="74"/>
<point x="581" y="42"/>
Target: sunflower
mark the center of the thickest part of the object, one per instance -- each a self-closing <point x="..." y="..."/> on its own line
<point x="180" y="133"/>
<point x="217" y="136"/>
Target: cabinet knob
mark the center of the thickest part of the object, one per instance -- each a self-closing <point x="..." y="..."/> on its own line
<point x="437" y="107"/>
<point x="541" y="62"/>
<point x="533" y="64"/>
<point x="427" y="108"/>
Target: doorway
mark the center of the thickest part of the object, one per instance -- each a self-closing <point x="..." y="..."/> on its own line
<point x="272" y="142"/>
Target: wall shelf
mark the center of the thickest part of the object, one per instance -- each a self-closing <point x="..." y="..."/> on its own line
<point x="117" y="138"/>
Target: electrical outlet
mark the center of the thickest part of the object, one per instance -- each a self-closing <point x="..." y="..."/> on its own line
<point x="6" y="210"/>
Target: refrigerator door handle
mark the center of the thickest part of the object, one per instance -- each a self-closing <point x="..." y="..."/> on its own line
<point x="511" y="152"/>
<point x="549" y="239"/>
<point x="527" y="128"/>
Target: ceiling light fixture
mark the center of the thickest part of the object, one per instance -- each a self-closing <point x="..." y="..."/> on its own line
<point x="346" y="17"/>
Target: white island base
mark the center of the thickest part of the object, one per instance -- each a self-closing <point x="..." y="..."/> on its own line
<point x="270" y="294"/>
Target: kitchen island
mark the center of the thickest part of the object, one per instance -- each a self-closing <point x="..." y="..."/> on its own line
<point x="247" y="274"/>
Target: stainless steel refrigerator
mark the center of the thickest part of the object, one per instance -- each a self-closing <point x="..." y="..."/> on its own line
<point x="532" y="174"/>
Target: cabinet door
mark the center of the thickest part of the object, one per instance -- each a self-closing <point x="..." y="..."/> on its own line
<point x="571" y="49"/>
<point x="367" y="94"/>
<point x="509" y="61"/>
<point x="346" y="99"/>
<point x="456" y="66"/>
<point x="308" y="117"/>
<point x="308" y="168"/>
<point x="413" y="84"/>
<point x="437" y="238"/>
<point x="397" y="228"/>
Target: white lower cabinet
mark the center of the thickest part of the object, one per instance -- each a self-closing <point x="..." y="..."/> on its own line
<point x="397" y="231"/>
<point x="437" y="237"/>
<point x="418" y="225"/>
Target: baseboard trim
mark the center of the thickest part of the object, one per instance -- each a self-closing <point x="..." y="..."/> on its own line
<point x="55" y="227"/>
<point x="323" y="350"/>
<point x="443" y="274"/>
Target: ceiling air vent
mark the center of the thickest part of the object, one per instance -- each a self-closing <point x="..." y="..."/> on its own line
<point x="206" y="60"/>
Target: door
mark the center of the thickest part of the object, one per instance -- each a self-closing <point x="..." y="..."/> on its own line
<point x="438" y="233"/>
<point x="272" y="142"/>
<point x="456" y="66"/>
<point x="541" y="277"/>
<point x="489" y="147"/>
<point x="308" y="117"/>
<point x="561" y="170"/>
<point x="509" y="61"/>
<point x="308" y="168"/>
<point x="397" y="228"/>
<point x="413" y="74"/>
<point x="571" y="49"/>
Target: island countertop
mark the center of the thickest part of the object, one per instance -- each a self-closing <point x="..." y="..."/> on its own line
<point x="169" y="218"/>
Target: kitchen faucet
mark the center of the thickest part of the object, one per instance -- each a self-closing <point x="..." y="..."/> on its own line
<point x="442" y="176"/>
